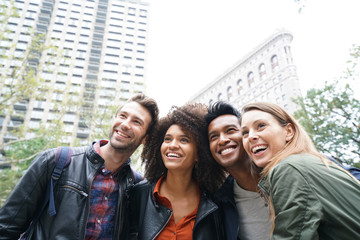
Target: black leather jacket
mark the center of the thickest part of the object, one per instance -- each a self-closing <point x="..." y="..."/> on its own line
<point x="71" y="198"/>
<point x="224" y="197"/>
<point x="148" y="217"/>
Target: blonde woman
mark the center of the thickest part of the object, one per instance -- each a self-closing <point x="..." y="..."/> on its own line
<point x="311" y="197"/>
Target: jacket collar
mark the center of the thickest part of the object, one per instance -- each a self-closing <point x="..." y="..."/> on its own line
<point x="264" y="185"/>
<point x="92" y="155"/>
<point x="95" y="158"/>
<point x="226" y="191"/>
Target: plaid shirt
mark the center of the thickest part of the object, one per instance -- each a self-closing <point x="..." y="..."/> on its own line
<point x="103" y="200"/>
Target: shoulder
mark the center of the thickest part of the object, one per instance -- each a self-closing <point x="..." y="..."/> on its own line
<point x="142" y="187"/>
<point x="45" y="156"/>
<point x="297" y="167"/>
<point x="79" y="150"/>
<point x="298" y="162"/>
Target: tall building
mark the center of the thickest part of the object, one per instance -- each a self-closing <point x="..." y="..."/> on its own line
<point x="265" y="74"/>
<point x="100" y="57"/>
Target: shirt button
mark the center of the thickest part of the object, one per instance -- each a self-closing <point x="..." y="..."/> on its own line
<point x="99" y="221"/>
<point x="111" y="177"/>
<point x="103" y="170"/>
<point x="106" y="198"/>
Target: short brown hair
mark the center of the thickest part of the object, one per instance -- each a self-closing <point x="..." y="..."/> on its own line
<point x="148" y="103"/>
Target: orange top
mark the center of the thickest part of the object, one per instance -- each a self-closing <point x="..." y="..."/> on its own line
<point x="183" y="229"/>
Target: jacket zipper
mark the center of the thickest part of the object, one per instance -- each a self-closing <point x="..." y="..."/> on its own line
<point x="120" y="219"/>
<point x="163" y="225"/>
<point x="202" y="217"/>
<point x="75" y="189"/>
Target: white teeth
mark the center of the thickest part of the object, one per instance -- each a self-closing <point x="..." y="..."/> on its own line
<point x="257" y="148"/>
<point x="173" y="155"/>
<point x="227" y="150"/>
<point x="121" y="134"/>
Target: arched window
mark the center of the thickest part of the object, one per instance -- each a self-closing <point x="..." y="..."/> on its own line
<point x="239" y="85"/>
<point x="274" y="63"/>
<point x="229" y="94"/>
<point x="287" y="49"/>
<point x="220" y="97"/>
<point x="251" y="79"/>
<point x="262" y="71"/>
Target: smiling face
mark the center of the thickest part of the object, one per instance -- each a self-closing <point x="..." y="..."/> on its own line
<point x="226" y="141"/>
<point x="178" y="150"/>
<point x="263" y="136"/>
<point x="129" y="127"/>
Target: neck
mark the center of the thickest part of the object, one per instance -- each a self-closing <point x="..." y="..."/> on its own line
<point x="179" y="184"/>
<point x="244" y="178"/>
<point x="113" y="159"/>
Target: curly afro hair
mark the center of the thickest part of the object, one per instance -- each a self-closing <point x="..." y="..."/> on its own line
<point x="191" y="119"/>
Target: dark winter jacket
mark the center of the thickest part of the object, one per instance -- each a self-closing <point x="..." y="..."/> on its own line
<point x="71" y="198"/>
<point x="150" y="217"/>
<point x="313" y="201"/>
<point x="224" y="197"/>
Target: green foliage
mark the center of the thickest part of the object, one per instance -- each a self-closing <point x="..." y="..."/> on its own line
<point x="8" y="180"/>
<point x="301" y="4"/>
<point x="331" y="116"/>
<point x="22" y="84"/>
<point x="21" y="152"/>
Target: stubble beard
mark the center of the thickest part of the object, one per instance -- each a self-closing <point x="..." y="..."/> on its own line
<point x="128" y="147"/>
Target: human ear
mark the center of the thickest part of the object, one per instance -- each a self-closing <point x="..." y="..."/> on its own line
<point x="290" y="131"/>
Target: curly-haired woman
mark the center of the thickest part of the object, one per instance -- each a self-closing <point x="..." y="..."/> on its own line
<point x="175" y="201"/>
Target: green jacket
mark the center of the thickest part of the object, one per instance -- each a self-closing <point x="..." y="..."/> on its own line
<point x="312" y="201"/>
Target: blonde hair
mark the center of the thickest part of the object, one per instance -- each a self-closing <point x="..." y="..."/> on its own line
<point x="300" y="142"/>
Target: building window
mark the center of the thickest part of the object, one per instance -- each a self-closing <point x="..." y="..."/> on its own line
<point x="229" y="94"/>
<point x="287" y="49"/>
<point x="220" y="97"/>
<point x="262" y="71"/>
<point x="239" y="86"/>
<point x="251" y="79"/>
<point x="274" y="63"/>
<point x="276" y="91"/>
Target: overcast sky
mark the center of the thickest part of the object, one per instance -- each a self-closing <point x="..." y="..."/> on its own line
<point x="192" y="42"/>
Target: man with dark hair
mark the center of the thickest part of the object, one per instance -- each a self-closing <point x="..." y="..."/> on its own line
<point x="91" y="196"/>
<point x="246" y="213"/>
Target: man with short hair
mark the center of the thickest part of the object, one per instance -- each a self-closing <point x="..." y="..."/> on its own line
<point x="91" y="196"/>
<point x="246" y="213"/>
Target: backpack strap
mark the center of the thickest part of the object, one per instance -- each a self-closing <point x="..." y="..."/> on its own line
<point x="62" y="159"/>
<point x="63" y="156"/>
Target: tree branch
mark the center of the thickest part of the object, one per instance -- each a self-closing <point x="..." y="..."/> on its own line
<point x="4" y="163"/>
<point x="20" y="140"/>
